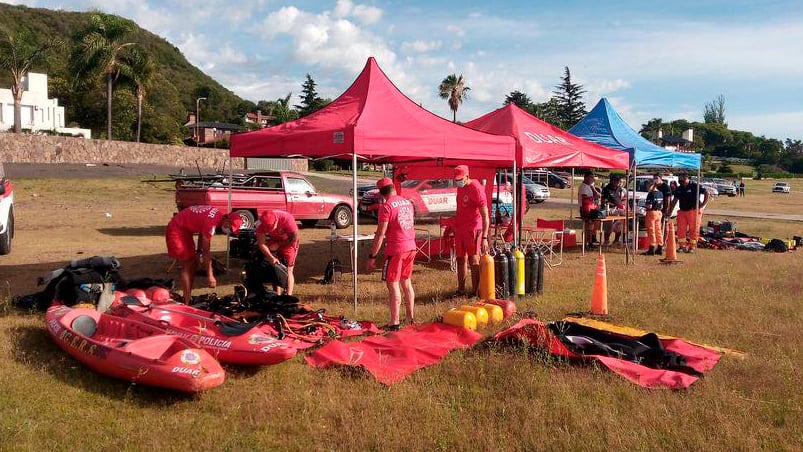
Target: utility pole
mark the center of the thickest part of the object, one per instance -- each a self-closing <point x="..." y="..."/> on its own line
<point x="197" y="119"/>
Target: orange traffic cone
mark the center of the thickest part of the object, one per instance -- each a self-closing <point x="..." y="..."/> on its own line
<point x="599" y="295"/>
<point x="671" y="245"/>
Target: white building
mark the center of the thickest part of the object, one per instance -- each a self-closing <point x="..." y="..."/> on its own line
<point x="36" y="110"/>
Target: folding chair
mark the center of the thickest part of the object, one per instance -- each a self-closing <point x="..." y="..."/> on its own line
<point x="423" y="249"/>
<point x="547" y="236"/>
<point x="447" y="242"/>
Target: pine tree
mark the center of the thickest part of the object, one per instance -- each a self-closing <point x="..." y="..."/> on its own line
<point x="519" y="99"/>
<point x="569" y="98"/>
<point x="310" y="101"/>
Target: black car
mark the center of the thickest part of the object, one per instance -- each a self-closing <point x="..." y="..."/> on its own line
<point x="548" y="178"/>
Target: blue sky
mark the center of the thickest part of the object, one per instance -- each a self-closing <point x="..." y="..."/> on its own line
<point x="650" y="59"/>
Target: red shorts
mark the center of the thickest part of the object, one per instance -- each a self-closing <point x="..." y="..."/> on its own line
<point x="180" y="243"/>
<point x="398" y="267"/>
<point x="288" y="253"/>
<point x="467" y="242"/>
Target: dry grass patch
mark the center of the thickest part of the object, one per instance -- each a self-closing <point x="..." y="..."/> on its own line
<point x="486" y="398"/>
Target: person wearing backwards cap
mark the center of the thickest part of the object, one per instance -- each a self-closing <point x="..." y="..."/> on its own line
<point x="277" y="240"/>
<point x="470" y="228"/>
<point x="396" y="224"/>
<point x="201" y="220"/>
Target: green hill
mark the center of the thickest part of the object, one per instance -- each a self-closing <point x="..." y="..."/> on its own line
<point x="172" y="94"/>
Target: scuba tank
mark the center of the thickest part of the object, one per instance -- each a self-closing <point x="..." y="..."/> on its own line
<point x="530" y="271"/>
<point x="512" y="272"/>
<point x="487" y="291"/>
<point x="520" y="287"/>
<point x="502" y="277"/>
<point x="539" y="280"/>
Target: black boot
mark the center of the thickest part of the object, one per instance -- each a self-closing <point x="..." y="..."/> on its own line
<point x="649" y="252"/>
<point x="659" y="250"/>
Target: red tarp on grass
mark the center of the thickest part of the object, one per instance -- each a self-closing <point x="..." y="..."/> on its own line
<point x="540" y="144"/>
<point x="375" y="120"/>
<point x="698" y="359"/>
<point x="393" y="357"/>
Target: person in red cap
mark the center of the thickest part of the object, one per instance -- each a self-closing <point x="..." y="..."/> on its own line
<point x="277" y="240"/>
<point x="396" y="224"/>
<point x="470" y="228"/>
<point x="201" y="220"/>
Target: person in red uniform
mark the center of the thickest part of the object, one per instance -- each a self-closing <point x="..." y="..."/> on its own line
<point x="397" y="226"/>
<point x="470" y="228"/>
<point x="181" y="230"/>
<point x="277" y="240"/>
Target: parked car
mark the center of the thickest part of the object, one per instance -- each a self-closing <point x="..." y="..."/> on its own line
<point x="642" y="183"/>
<point x="711" y="187"/>
<point x="361" y="189"/>
<point x="723" y="186"/>
<point x="252" y="194"/>
<point x="548" y="178"/>
<point x="6" y="212"/>
<point x="781" y="187"/>
<point x="536" y="192"/>
<point x="431" y="198"/>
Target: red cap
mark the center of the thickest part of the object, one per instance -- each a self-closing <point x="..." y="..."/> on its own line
<point x="384" y="182"/>
<point x="460" y="171"/>
<point x="235" y="222"/>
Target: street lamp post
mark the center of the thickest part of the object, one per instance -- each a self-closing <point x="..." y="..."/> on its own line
<point x="197" y="120"/>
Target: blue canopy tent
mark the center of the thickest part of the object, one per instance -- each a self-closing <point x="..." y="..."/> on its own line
<point x="604" y="126"/>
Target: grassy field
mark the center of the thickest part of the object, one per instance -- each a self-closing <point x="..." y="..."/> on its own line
<point x="485" y="398"/>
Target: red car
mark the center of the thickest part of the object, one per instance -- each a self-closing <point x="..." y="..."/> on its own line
<point x="431" y="198"/>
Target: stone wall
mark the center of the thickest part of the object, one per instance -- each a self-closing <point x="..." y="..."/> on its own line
<point x="27" y="148"/>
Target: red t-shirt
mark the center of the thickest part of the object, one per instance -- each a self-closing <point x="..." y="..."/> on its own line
<point x="400" y="235"/>
<point x="470" y="199"/>
<point x="285" y="226"/>
<point x="198" y="220"/>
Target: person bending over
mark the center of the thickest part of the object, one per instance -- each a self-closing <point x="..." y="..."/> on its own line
<point x="180" y="239"/>
<point x="278" y="241"/>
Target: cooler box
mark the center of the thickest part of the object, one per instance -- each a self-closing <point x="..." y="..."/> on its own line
<point x="569" y="238"/>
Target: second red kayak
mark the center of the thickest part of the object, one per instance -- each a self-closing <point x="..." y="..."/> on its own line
<point x="228" y="340"/>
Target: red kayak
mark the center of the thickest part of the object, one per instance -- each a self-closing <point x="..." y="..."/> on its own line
<point x="132" y="351"/>
<point x="226" y="339"/>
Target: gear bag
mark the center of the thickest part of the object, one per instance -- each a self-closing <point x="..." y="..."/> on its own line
<point x="333" y="271"/>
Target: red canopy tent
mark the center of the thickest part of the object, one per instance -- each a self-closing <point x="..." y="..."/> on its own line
<point x="540" y="144"/>
<point x="373" y="121"/>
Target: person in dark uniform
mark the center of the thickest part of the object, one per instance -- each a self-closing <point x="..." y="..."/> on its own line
<point x="654" y="205"/>
<point x="690" y="213"/>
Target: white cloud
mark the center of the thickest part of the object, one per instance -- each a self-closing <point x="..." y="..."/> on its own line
<point x="420" y="46"/>
<point x="781" y="125"/>
<point x="456" y="30"/>
<point x="364" y="14"/>
<point x="199" y="49"/>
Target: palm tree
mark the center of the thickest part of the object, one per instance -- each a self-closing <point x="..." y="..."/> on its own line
<point x="99" y="50"/>
<point x="19" y="52"/>
<point x="139" y="70"/>
<point x="455" y="90"/>
<point x="282" y="112"/>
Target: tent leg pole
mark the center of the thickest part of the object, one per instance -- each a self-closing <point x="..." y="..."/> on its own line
<point x="516" y="203"/>
<point x="228" y="209"/>
<point x="354" y="220"/>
